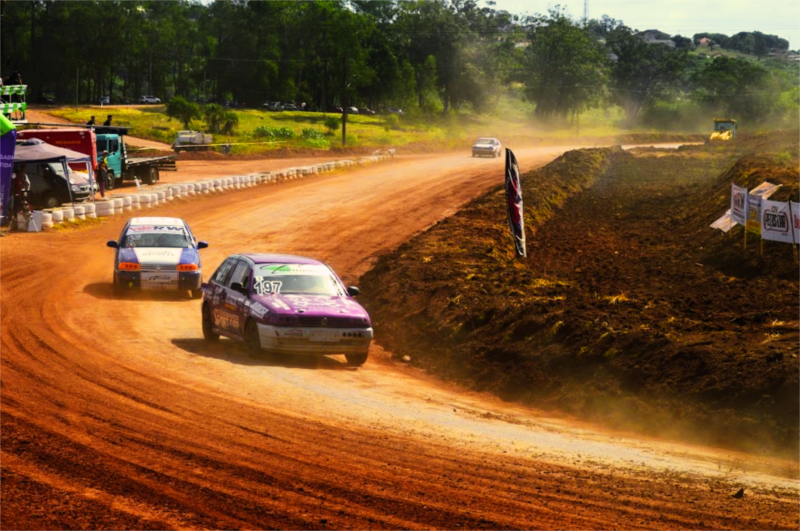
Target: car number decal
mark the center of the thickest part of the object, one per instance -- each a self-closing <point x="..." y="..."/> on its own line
<point x="263" y="286"/>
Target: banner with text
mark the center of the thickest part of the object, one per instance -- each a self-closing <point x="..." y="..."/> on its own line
<point x="776" y="222"/>
<point x="796" y="221"/>
<point x="738" y="204"/>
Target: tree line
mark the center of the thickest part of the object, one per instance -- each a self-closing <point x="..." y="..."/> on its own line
<point x="425" y="56"/>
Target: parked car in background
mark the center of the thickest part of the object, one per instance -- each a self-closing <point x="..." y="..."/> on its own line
<point x="365" y="110"/>
<point x="291" y="107"/>
<point x="273" y="106"/>
<point x="157" y="253"/>
<point x="352" y="110"/>
<point x="50" y="188"/>
<point x="149" y="99"/>
<point x="105" y="100"/>
<point x="335" y="109"/>
<point x="395" y="110"/>
<point x="486" y="147"/>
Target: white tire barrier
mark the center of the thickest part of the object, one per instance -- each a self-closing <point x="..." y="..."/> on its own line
<point x="162" y="196"/>
<point x="58" y="216"/>
<point x="127" y="203"/>
<point x="69" y="214"/>
<point x="135" y="202"/>
<point x="119" y="204"/>
<point x="145" y="200"/>
<point x="190" y="190"/>
<point x="103" y="208"/>
<point x="80" y="213"/>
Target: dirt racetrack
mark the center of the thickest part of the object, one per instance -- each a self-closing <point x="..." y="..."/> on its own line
<point x="116" y="413"/>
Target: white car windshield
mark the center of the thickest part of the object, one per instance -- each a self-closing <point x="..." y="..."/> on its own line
<point x="58" y="169"/>
<point x="295" y="279"/>
<point x="485" y="141"/>
<point x="174" y="237"/>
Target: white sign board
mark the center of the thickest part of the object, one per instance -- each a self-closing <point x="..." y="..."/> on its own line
<point x="776" y="221"/>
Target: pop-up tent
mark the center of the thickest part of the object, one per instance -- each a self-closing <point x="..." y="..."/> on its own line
<point x="34" y="150"/>
<point x="8" y="136"/>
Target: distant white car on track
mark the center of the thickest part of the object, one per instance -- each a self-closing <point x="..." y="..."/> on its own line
<point x="487" y="147"/>
<point x="157" y="253"/>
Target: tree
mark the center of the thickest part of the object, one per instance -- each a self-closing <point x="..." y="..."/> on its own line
<point x="183" y="110"/>
<point x="642" y="72"/>
<point x="736" y="88"/>
<point x="220" y="120"/>
<point x="565" y="68"/>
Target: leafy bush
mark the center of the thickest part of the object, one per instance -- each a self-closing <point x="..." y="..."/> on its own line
<point x="218" y="120"/>
<point x="272" y="133"/>
<point x="392" y="122"/>
<point x="332" y="123"/>
<point x="313" y="134"/>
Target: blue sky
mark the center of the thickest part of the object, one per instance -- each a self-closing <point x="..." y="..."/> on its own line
<point x="684" y="17"/>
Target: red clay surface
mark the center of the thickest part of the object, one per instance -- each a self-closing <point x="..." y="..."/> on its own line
<point x="116" y="413"/>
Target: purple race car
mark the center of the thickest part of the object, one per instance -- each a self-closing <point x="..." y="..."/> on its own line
<point x="283" y="304"/>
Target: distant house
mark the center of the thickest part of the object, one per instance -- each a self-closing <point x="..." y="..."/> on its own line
<point x="705" y="41"/>
<point x="657" y="37"/>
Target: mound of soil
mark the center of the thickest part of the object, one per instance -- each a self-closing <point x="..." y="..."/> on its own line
<point x="629" y="308"/>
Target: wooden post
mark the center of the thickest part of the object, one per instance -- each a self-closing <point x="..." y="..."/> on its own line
<point x="344" y="100"/>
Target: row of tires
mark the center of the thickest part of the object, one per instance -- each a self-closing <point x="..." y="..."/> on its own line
<point x="157" y="195"/>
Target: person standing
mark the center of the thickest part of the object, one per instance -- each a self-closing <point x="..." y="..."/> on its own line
<point x="107" y="123"/>
<point x="20" y="187"/>
<point x="102" y="173"/>
<point x="91" y="121"/>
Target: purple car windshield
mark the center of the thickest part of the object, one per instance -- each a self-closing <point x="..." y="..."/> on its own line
<point x="291" y="279"/>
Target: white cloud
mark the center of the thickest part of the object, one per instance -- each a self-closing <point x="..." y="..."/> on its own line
<point x="684" y="17"/>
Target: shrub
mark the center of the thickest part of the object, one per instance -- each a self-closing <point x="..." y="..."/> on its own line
<point x="313" y="134"/>
<point x="219" y="120"/>
<point x="392" y="122"/>
<point x="272" y="133"/>
<point x="332" y="123"/>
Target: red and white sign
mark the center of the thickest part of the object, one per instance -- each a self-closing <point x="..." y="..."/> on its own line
<point x="776" y="221"/>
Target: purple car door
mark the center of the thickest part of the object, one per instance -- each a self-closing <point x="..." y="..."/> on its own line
<point x="234" y="304"/>
<point x="219" y="293"/>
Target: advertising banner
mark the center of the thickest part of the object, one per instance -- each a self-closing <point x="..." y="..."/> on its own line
<point x="754" y="214"/>
<point x="796" y="221"/>
<point x="514" y="203"/>
<point x="8" y="138"/>
<point x="776" y="221"/>
<point x="738" y="203"/>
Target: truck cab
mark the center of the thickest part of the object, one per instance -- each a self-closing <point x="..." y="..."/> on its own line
<point x="115" y="145"/>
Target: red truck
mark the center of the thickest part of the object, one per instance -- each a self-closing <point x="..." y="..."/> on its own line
<point x="80" y="140"/>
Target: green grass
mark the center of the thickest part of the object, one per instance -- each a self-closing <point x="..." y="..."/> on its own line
<point x="440" y="132"/>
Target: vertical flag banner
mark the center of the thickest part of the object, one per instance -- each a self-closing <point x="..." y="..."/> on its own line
<point x="738" y="204"/>
<point x="8" y="139"/>
<point x="776" y="221"/>
<point x="514" y="203"/>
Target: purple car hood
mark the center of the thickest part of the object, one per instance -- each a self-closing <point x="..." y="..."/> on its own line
<point x="312" y="305"/>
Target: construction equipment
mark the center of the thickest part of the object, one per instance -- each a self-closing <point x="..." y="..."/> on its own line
<point x="724" y="129"/>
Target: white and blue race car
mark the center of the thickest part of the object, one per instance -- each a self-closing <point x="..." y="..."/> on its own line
<point x="157" y="254"/>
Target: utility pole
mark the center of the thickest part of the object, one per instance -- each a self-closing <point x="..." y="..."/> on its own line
<point x="344" y="99"/>
<point x="585" y="12"/>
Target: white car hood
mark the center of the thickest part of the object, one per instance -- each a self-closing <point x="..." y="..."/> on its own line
<point x="158" y="255"/>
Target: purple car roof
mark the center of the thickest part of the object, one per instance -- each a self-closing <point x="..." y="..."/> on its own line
<point x="263" y="258"/>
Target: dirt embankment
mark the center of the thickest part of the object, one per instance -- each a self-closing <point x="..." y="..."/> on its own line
<point x="629" y="308"/>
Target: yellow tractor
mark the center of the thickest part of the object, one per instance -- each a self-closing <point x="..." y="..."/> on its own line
<point x="724" y="129"/>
